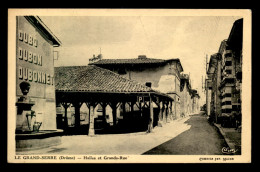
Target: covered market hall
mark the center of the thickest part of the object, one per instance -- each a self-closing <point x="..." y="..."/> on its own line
<point x="95" y="86"/>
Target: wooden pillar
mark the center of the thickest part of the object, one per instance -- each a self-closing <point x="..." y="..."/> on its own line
<point x="175" y="110"/>
<point x="167" y="112"/>
<point x="160" y="114"/>
<point x="104" y="105"/>
<point x="124" y="112"/>
<point x="77" y="106"/>
<point x="140" y="109"/>
<point x="150" y="124"/>
<point x="66" y="105"/>
<point x="66" y="116"/>
<point x="113" y="106"/>
<point x="164" y="113"/>
<point x="132" y="107"/>
<point x="171" y="110"/>
<point x="91" y="131"/>
<point x="161" y="111"/>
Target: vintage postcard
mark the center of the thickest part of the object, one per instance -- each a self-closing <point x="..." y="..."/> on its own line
<point x="129" y="85"/>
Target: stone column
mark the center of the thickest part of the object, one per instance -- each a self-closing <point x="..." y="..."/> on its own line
<point x="77" y="114"/>
<point x="104" y="111"/>
<point x="132" y="107"/>
<point x="171" y="110"/>
<point x="65" y="105"/>
<point x="91" y="131"/>
<point x="140" y="109"/>
<point x="164" y="113"/>
<point x="114" y="113"/>
<point x="167" y="112"/>
<point x="150" y="124"/>
<point x="160" y="115"/>
<point x="124" y="112"/>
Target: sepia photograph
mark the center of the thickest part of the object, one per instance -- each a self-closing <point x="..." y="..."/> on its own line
<point x="129" y="86"/>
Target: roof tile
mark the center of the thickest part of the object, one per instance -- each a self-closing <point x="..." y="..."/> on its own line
<point x="129" y="61"/>
<point x="94" y="79"/>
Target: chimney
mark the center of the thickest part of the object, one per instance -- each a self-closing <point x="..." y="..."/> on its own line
<point x="142" y="57"/>
<point x="100" y="56"/>
<point x="148" y="84"/>
<point x="95" y="58"/>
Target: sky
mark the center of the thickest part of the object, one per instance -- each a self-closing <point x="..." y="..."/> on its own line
<point x="162" y="37"/>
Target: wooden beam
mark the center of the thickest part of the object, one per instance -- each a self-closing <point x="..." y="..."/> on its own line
<point x="146" y="105"/>
<point x="118" y="104"/>
<point x="138" y="106"/>
<point x="157" y="104"/>
<point x="129" y="103"/>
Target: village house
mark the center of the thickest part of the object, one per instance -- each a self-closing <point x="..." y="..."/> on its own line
<point x="214" y="74"/>
<point x="231" y="76"/>
<point x="195" y="101"/>
<point x="161" y="75"/>
<point x="185" y="95"/>
<point x="189" y="97"/>
<point x="208" y="87"/>
<point x="223" y="91"/>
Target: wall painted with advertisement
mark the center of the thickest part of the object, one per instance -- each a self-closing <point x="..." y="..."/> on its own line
<point x="34" y="64"/>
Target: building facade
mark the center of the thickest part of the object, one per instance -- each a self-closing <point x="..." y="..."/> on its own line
<point x="34" y="65"/>
<point x="161" y="75"/>
<point x="225" y="79"/>
<point x="186" y="101"/>
<point x="195" y="102"/>
<point x="214" y="74"/>
<point x="208" y="87"/>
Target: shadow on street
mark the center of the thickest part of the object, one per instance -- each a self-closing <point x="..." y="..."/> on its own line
<point x="201" y="139"/>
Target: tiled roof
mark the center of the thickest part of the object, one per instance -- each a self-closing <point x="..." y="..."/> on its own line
<point x="135" y="61"/>
<point x="94" y="79"/>
<point x="129" y="61"/>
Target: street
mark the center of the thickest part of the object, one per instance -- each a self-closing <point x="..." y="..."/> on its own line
<point x="190" y="135"/>
<point x="200" y="139"/>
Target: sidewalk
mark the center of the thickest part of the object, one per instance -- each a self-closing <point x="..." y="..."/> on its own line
<point x="132" y="143"/>
<point x="232" y="138"/>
